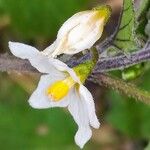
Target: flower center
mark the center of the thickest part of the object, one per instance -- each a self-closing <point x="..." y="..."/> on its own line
<point x="60" y="89"/>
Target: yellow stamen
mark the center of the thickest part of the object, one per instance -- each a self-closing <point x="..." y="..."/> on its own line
<point x="60" y="89"/>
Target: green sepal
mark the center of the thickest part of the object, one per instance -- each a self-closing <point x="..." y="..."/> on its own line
<point x="105" y="10"/>
<point x="83" y="70"/>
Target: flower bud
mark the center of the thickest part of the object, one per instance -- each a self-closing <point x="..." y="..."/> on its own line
<point x="80" y="32"/>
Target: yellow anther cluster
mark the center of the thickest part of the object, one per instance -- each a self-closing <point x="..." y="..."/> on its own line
<point x="60" y="89"/>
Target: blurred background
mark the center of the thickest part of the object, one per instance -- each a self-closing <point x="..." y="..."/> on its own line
<point x="125" y="123"/>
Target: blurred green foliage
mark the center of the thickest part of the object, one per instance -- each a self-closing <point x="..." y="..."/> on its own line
<point x="35" y="18"/>
<point x="129" y="116"/>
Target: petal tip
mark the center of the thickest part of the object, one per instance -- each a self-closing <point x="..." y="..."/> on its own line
<point x="97" y="125"/>
<point x="34" y="104"/>
<point x="10" y="44"/>
<point x="82" y="136"/>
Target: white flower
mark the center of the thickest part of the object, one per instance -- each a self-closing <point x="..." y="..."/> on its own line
<point x="60" y="87"/>
<point x="79" y="32"/>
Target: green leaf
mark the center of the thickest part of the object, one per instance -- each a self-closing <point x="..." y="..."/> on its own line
<point x="142" y="21"/>
<point x="147" y="28"/>
<point x="144" y="6"/>
<point x="125" y="38"/>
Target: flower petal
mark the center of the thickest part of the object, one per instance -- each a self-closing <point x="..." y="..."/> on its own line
<point x="92" y="34"/>
<point x="89" y="102"/>
<point x="61" y="43"/>
<point x="80" y="32"/>
<point x="82" y="136"/>
<point x="73" y="22"/>
<point x="63" y="67"/>
<point x="49" y="50"/>
<point x="78" y="110"/>
<point x="40" y="100"/>
<point x="36" y="58"/>
<point x="23" y="51"/>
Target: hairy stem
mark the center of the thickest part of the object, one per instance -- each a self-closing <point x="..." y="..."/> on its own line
<point x="122" y="61"/>
<point x="121" y="86"/>
<point x="11" y="63"/>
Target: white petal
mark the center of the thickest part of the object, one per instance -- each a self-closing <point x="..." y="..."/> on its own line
<point x="85" y="38"/>
<point x="63" y="67"/>
<point x="40" y="100"/>
<point x="82" y="136"/>
<point x="36" y="58"/>
<point x="73" y="22"/>
<point x="23" y="51"/>
<point x="89" y="102"/>
<point x="78" y="33"/>
<point x="61" y="43"/>
<point x="79" y="110"/>
<point x="49" y="50"/>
